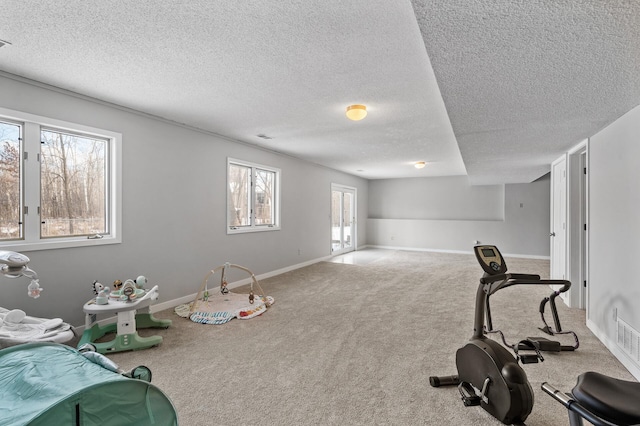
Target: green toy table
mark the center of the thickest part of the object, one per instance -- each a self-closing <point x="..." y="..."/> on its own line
<point x="129" y="320"/>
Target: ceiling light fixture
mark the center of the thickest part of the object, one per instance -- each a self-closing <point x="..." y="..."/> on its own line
<point x="356" y="112"/>
<point x="420" y="165"/>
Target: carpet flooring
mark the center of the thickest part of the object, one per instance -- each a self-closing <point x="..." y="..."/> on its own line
<point x="353" y="342"/>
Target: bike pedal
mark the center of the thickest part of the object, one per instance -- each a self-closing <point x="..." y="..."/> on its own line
<point x="468" y="395"/>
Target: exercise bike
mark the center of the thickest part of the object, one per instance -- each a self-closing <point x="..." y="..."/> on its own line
<point x="600" y="399"/>
<point x="488" y="374"/>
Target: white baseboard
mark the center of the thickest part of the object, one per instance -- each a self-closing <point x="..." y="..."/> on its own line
<point x="522" y="256"/>
<point x="419" y="249"/>
<point x="624" y="359"/>
<point x="527" y="256"/>
<point x="189" y="298"/>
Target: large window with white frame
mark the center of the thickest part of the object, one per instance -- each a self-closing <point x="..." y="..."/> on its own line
<point x="59" y="183"/>
<point x="253" y="197"/>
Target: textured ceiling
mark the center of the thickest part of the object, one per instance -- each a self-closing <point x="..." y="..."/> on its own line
<point x="513" y="84"/>
<point x="524" y="81"/>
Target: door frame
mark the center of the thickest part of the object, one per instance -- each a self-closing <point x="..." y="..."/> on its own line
<point x="558" y="222"/>
<point x="576" y="232"/>
<point x="577" y="243"/>
<point x="354" y="228"/>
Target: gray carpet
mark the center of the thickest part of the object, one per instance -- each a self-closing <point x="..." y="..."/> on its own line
<point x="356" y="344"/>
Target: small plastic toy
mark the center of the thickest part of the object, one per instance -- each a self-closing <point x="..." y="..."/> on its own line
<point x="103" y="296"/>
<point x="129" y="291"/>
<point x="141" y="281"/>
<point x="34" y="289"/>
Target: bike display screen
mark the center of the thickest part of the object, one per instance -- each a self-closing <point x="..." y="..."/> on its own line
<point x="487" y="252"/>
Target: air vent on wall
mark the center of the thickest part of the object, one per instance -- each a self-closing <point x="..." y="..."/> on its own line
<point x="628" y="339"/>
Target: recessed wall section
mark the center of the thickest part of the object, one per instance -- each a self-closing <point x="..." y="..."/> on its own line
<point x="435" y="198"/>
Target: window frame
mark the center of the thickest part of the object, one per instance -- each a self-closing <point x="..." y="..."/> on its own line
<point x="30" y="153"/>
<point x="20" y="212"/>
<point x="253" y="227"/>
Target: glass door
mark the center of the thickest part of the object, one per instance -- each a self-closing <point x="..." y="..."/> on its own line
<point x="343" y="219"/>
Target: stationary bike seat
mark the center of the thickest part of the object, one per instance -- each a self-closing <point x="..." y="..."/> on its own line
<point x="612" y="399"/>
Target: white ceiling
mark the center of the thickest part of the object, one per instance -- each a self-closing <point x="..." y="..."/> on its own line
<point x="513" y="84"/>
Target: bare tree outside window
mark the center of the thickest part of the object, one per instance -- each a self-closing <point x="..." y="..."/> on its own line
<point x="10" y="184"/>
<point x="73" y="179"/>
<point x="252" y="198"/>
<point x="239" y="193"/>
<point x="265" y="181"/>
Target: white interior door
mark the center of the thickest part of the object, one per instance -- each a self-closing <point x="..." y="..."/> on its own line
<point x="558" y="232"/>
<point x="343" y="219"/>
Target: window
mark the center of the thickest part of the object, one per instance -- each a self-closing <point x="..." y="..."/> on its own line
<point x="253" y="199"/>
<point x="10" y="181"/>
<point x="59" y="183"/>
<point x="73" y="169"/>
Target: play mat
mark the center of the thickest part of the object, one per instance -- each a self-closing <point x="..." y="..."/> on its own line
<point x="220" y="307"/>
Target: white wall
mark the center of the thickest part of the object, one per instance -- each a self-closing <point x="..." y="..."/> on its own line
<point x="436" y="198"/>
<point x="174" y="207"/>
<point x="614" y="231"/>
<point x="515" y="217"/>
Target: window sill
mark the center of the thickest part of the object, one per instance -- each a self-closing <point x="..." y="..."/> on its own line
<point x="58" y="243"/>
<point x="250" y="229"/>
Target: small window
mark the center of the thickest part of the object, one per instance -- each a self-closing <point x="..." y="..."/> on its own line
<point x="252" y="197"/>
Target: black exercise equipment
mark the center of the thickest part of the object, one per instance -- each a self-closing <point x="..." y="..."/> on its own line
<point x="488" y="375"/>
<point x="556" y="321"/>
<point x="539" y="343"/>
<point x="601" y="400"/>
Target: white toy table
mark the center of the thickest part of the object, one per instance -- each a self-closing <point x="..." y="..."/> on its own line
<point x="128" y="321"/>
